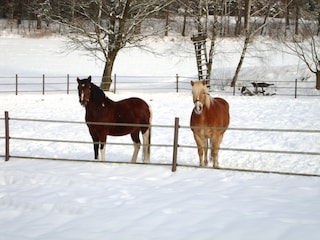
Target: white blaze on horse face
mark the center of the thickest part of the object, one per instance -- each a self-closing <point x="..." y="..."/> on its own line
<point x="83" y="102"/>
<point x="198" y="107"/>
<point x="82" y="96"/>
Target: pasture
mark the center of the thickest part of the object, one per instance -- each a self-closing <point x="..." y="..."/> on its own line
<point x="67" y="200"/>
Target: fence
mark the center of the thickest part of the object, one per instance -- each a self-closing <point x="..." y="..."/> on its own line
<point x="67" y="84"/>
<point x="175" y="146"/>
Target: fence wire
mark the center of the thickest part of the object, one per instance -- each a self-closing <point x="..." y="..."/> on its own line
<point x="67" y="84"/>
<point x="180" y="146"/>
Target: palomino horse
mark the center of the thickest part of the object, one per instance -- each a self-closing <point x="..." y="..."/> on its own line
<point x="132" y="111"/>
<point x="209" y="120"/>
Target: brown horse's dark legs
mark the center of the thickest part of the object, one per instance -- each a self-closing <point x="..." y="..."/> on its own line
<point x="102" y="141"/>
<point x="95" y="140"/>
<point x="96" y="150"/>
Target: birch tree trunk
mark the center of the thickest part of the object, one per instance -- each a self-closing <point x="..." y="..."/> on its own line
<point x="246" y="42"/>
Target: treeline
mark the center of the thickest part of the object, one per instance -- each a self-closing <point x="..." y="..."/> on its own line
<point x="229" y="14"/>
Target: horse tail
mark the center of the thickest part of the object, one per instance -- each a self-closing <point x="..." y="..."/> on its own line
<point x="149" y="141"/>
<point x="150" y="126"/>
<point x="148" y="138"/>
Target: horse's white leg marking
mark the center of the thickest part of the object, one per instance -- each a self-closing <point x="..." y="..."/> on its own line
<point x="146" y="147"/>
<point x="103" y="153"/>
<point x="135" y="153"/>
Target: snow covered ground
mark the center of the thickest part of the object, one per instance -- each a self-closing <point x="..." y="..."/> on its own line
<point x="80" y="200"/>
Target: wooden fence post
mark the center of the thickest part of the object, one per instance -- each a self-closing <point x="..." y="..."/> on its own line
<point x="175" y="144"/>
<point x="68" y="83"/>
<point x="16" y="84"/>
<point x="7" y="137"/>
<point x="177" y="82"/>
<point x="43" y="83"/>
<point x="296" y="88"/>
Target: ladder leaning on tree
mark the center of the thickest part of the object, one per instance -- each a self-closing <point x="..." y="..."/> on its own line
<point x="199" y="42"/>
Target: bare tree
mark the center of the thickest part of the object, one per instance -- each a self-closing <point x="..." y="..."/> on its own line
<point x="303" y="40"/>
<point x="247" y="40"/>
<point x="213" y="37"/>
<point x="105" y="27"/>
<point x="249" y="32"/>
<point x="307" y="50"/>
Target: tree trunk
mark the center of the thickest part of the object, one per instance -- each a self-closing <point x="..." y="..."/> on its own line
<point x="318" y="80"/>
<point x="200" y="28"/>
<point x="106" y="80"/>
<point x="265" y="17"/>
<point x="213" y="40"/>
<point x="296" y="29"/>
<point x="246" y="42"/>
<point x="318" y="32"/>
<point x="237" y="29"/>
<point x="286" y="17"/>
<point x="243" y="54"/>
<point x="184" y="22"/>
<point x="167" y="24"/>
<point x="39" y="23"/>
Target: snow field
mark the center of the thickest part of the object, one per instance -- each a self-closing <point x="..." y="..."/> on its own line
<point x="68" y="200"/>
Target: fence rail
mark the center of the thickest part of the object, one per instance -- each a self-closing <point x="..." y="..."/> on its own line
<point x="174" y="146"/>
<point x="67" y="84"/>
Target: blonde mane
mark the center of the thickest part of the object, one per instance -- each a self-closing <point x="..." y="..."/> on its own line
<point x="199" y="87"/>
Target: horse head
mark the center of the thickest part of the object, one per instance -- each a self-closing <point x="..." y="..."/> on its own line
<point x="201" y="97"/>
<point x="84" y="90"/>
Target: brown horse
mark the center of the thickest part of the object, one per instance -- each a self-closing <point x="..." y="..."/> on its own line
<point x="209" y="120"/>
<point x="100" y="108"/>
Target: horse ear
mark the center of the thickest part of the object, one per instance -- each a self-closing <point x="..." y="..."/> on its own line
<point x="78" y="79"/>
<point x="192" y="83"/>
<point x="89" y="78"/>
<point x="203" y="82"/>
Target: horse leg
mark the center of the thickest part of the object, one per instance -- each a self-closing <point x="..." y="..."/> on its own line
<point x="205" y="148"/>
<point x="136" y="143"/>
<point x="146" y="146"/>
<point x="215" y="144"/>
<point x="95" y="144"/>
<point x="199" y="142"/>
<point x="103" y="144"/>
<point x="96" y="150"/>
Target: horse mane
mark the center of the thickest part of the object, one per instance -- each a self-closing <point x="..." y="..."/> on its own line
<point x="97" y="94"/>
<point x="200" y="88"/>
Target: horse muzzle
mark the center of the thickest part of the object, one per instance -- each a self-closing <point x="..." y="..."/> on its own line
<point x="83" y="103"/>
<point x="198" y="107"/>
<point x="83" y="100"/>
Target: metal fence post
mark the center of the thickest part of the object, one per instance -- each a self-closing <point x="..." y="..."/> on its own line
<point x="175" y="144"/>
<point x="7" y="137"/>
